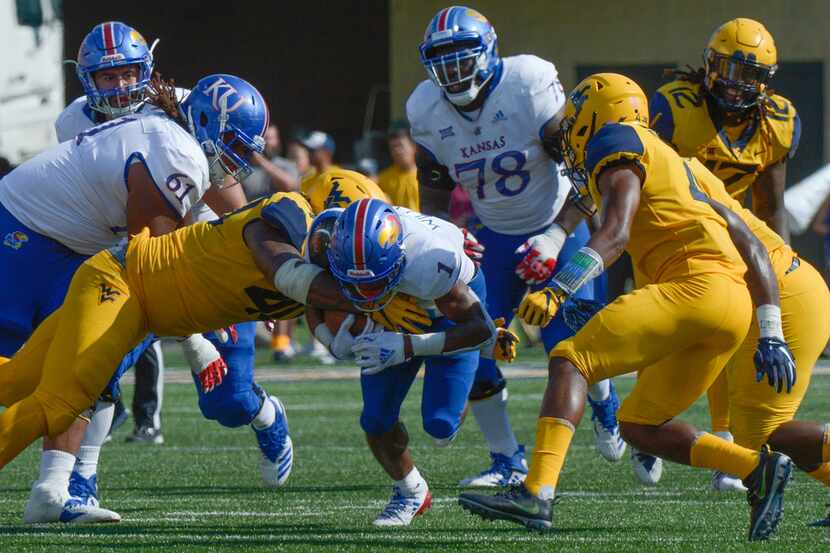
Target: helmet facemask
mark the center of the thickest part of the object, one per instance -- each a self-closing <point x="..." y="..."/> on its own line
<point x="459" y="72"/>
<point x="736" y="83"/>
<point x="574" y="168"/>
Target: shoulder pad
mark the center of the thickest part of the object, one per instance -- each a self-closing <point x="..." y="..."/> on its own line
<point x="287" y="216"/>
<point x="420" y="103"/>
<point x="612" y="143"/>
<point x="532" y="74"/>
<point x="661" y="118"/>
<point x="784" y="124"/>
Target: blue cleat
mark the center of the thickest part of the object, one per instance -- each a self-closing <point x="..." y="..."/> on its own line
<point x="765" y="493"/>
<point x="822" y="522"/>
<point x="276" y="447"/>
<point x="606" y="428"/>
<point x="84" y="489"/>
<point x="505" y="471"/>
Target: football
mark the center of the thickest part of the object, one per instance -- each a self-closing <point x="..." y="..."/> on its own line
<point x="333" y="320"/>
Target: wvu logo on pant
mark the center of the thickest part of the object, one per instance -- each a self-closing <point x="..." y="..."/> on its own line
<point x="15" y="240"/>
<point x="107" y="294"/>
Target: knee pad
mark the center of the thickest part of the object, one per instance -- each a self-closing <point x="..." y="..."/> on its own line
<point x="231" y="411"/>
<point x="376" y="424"/>
<point x="441" y="428"/>
<point x="482" y="389"/>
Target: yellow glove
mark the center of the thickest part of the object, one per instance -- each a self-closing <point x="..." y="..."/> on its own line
<point x="538" y="308"/>
<point x="402" y="314"/>
<point x="506" y="342"/>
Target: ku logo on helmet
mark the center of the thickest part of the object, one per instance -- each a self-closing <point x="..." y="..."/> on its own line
<point x="389" y="231"/>
<point x="220" y="92"/>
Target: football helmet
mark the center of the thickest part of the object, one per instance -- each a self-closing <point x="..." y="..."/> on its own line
<point x="114" y="44"/>
<point x="460" y="53"/>
<point x="228" y="117"/>
<point x="739" y="62"/>
<point x="367" y="255"/>
<point x="319" y="235"/>
<point x="599" y="99"/>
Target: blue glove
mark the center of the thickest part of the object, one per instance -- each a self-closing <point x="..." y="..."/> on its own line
<point x="774" y="359"/>
<point x="577" y="312"/>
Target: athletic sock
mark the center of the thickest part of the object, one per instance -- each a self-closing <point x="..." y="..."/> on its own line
<point x="600" y="391"/>
<point x="266" y="416"/>
<point x="822" y="474"/>
<point x="553" y="437"/>
<point x="715" y="453"/>
<point x="491" y="416"/>
<point x="825" y="448"/>
<point x="87" y="462"/>
<point x="413" y="483"/>
<point x="725" y="435"/>
<point x="55" y="468"/>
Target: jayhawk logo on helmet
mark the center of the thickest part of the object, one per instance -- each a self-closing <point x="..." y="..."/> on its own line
<point x="389" y="231"/>
<point x="15" y="240"/>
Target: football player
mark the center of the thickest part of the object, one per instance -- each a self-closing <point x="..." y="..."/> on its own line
<point x="376" y="252"/>
<point x="725" y="115"/>
<point x="245" y="265"/>
<point x="482" y="121"/>
<point x="116" y="177"/>
<point x="690" y="254"/>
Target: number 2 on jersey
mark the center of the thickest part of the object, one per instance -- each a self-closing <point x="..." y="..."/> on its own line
<point x="500" y="168"/>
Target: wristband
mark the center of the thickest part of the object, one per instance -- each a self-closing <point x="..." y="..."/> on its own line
<point x="428" y="345"/>
<point x="294" y="278"/>
<point x="769" y="321"/>
<point x="582" y="267"/>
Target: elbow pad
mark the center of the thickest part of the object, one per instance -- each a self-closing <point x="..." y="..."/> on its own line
<point x="294" y="278"/>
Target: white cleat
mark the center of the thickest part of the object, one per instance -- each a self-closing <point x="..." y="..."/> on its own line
<point x="505" y="471"/>
<point x="47" y="504"/>
<point x="609" y="442"/>
<point x="647" y="468"/>
<point x="722" y="482"/>
<point x="401" y="509"/>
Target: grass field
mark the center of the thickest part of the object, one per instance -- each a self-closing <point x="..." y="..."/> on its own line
<point x="201" y="490"/>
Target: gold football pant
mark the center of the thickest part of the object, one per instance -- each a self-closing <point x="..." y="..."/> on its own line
<point x="678" y="334"/>
<point x="755" y="408"/>
<point x="65" y="365"/>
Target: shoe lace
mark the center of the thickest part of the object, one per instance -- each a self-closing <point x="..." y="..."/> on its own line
<point x="397" y="504"/>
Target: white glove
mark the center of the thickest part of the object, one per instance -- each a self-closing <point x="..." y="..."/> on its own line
<point x="377" y="351"/>
<point x="540" y="253"/>
<point x="341" y="345"/>
<point x="205" y="361"/>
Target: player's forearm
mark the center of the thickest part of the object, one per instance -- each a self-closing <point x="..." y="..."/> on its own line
<point x="569" y="217"/>
<point x="281" y="180"/>
<point x="468" y="336"/>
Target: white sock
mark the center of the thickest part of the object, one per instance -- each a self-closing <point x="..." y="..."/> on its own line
<point x="725" y="436"/>
<point x="600" y="391"/>
<point x="492" y="419"/>
<point x="266" y="416"/>
<point x="87" y="463"/>
<point x="413" y="483"/>
<point x="55" y="468"/>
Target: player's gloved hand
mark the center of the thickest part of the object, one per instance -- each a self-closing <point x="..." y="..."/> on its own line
<point x="577" y="312"/>
<point x="270" y="325"/>
<point x="540" y="253"/>
<point x="341" y="345"/>
<point x="229" y="333"/>
<point x="774" y="359"/>
<point x="538" y="308"/>
<point x="379" y="350"/>
<point x="506" y="341"/>
<point x="402" y="313"/>
<point x="205" y="361"/>
<point x="472" y="247"/>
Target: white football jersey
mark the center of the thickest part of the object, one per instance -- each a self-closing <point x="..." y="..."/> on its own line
<point x="496" y="154"/>
<point x="435" y="258"/>
<point x="76" y="191"/>
<point x="77" y="117"/>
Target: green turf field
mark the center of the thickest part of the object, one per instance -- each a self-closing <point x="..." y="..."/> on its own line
<point x="201" y="490"/>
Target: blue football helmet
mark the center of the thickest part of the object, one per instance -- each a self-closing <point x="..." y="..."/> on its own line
<point x="319" y="235"/>
<point x="460" y="52"/>
<point x="228" y="116"/>
<point x="114" y="44"/>
<point x="367" y="254"/>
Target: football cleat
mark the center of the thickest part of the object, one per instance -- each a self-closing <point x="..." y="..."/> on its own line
<point x="647" y="468"/>
<point x="822" y="522"/>
<point x="85" y="489"/>
<point x="402" y="508"/>
<point x="606" y="428"/>
<point x="765" y="493"/>
<point x="145" y="435"/>
<point x="516" y="504"/>
<point x="722" y="482"/>
<point x="505" y="471"/>
<point x="276" y="447"/>
<point x="47" y="504"/>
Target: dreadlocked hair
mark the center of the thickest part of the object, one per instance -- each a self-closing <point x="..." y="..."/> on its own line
<point x="689" y="74"/>
<point x="162" y="94"/>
